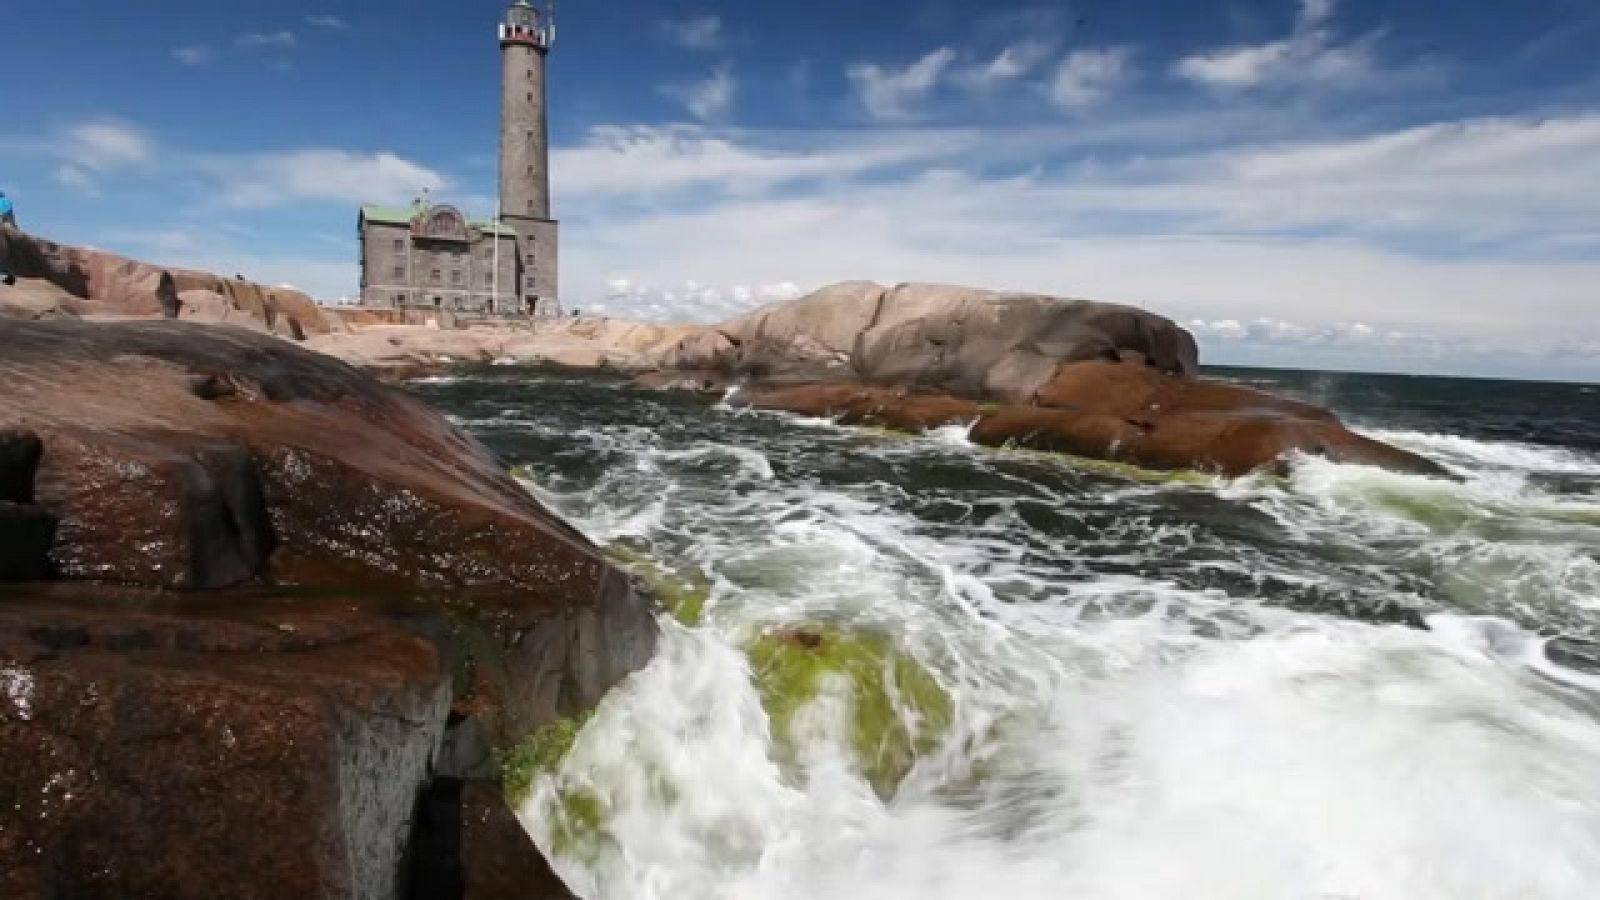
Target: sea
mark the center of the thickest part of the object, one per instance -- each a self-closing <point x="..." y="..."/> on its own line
<point x="1337" y="683"/>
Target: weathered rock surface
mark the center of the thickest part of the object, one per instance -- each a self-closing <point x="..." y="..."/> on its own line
<point x="239" y="470"/>
<point x="245" y="749"/>
<point x="1122" y="412"/>
<point x="972" y="343"/>
<point x="578" y="344"/>
<point x="1091" y="379"/>
<point x="59" y="281"/>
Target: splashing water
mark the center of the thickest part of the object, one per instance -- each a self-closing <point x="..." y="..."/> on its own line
<point x="1333" y="685"/>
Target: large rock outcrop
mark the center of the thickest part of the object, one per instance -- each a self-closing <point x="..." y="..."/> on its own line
<point x="60" y="281"/>
<point x="973" y="343"/>
<point x="313" y="566"/>
<point x="1091" y="379"/>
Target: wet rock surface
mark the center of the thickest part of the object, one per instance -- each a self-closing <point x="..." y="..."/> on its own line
<point x="277" y="592"/>
<point x="1121" y="412"/>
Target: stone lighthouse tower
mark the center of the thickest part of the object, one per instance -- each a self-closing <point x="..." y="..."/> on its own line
<point x="526" y="37"/>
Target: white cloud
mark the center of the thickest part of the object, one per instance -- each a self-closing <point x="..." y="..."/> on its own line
<point x="1087" y="76"/>
<point x="1310" y="55"/>
<point x="279" y="40"/>
<point x="1012" y="63"/>
<point x="75" y="178"/>
<point x="696" y="32"/>
<point x="1287" y="232"/>
<point x="890" y="95"/>
<point x="332" y="23"/>
<point x="105" y="143"/>
<point x="646" y="161"/>
<point x="708" y="99"/>
<point x="195" y="55"/>
<point x="337" y="175"/>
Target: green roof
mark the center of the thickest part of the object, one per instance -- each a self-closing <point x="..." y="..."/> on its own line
<point x="402" y="215"/>
<point x="389" y="215"/>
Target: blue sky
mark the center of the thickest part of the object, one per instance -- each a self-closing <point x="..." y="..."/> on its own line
<point x="1328" y="183"/>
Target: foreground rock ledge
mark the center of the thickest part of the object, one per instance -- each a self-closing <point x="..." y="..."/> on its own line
<point x="326" y="596"/>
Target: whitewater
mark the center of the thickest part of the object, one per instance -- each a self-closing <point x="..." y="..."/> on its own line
<point x="1343" y="683"/>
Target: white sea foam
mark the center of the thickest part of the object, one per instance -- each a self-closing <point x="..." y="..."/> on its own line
<point x="1115" y="735"/>
<point x="1456" y="450"/>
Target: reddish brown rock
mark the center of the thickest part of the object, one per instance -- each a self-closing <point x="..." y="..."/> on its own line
<point x="1123" y="412"/>
<point x="231" y="465"/>
<point x="250" y="749"/>
<point x="248" y="460"/>
<point x="92" y="283"/>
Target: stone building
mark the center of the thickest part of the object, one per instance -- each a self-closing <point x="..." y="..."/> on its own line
<point x="432" y="257"/>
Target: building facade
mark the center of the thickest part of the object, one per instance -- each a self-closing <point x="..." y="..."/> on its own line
<point x="431" y="256"/>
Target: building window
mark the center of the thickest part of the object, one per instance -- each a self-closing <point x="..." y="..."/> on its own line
<point x="455" y="277"/>
<point x="402" y="299"/>
<point x="399" y="245"/>
<point x="436" y="276"/>
<point x="399" y="273"/>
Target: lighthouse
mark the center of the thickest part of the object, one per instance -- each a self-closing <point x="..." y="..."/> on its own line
<point x="430" y="259"/>
<point x="526" y="38"/>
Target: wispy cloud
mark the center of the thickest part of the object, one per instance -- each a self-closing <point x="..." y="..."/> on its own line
<point x="1011" y="64"/>
<point x="195" y="55"/>
<point x="74" y="177"/>
<point x="331" y="23"/>
<point x="267" y="180"/>
<point x="709" y="99"/>
<point x="279" y="40"/>
<point x="703" y="32"/>
<point x="1310" y="55"/>
<point x="1086" y="77"/>
<point x="890" y="94"/>
<point x="104" y="144"/>
<point x="644" y="162"/>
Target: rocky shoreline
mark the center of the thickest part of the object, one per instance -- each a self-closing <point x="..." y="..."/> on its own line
<point x="261" y="613"/>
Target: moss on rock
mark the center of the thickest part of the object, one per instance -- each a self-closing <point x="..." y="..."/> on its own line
<point x="899" y="711"/>
<point x="682" y="592"/>
<point x="543" y="751"/>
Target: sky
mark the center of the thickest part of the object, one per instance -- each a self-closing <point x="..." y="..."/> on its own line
<point x="1389" y="185"/>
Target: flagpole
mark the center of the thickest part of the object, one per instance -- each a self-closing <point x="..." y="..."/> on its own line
<point x="494" y="302"/>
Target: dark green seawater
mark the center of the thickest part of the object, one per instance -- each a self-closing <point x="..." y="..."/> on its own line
<point x="1335" y="684"/>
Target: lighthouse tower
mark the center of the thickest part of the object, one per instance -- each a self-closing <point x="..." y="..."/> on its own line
<point x="526" y="37"/>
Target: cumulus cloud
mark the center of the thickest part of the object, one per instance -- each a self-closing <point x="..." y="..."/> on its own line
<point x="268" y="40"/>
<point x="1087" y="77"/>
<point x="195" y="55"/>
<point x="338" y="175"/>
<point x="889" y="94"/>
<point x="331" y="23"/>
<point x="708" y="99"/>
<point x="1311" y="55"/>
<point x="688" y="301"/>
<point x="1282" y="231"/>
<point x="704" y="32"/>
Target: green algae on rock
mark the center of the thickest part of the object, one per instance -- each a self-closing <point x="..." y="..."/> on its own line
<point x="898" y="711"/>
<point x="543" y="751"/>
<point x="683" y="592"/>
